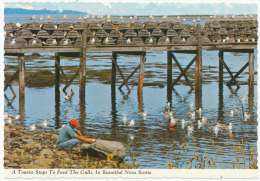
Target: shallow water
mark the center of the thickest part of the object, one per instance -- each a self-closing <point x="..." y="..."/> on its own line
<point x="150" y="140"/>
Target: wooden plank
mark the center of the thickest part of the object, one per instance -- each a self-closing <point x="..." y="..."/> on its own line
<point x="198" y="78"/>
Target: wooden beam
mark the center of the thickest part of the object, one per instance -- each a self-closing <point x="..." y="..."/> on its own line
<point x="127" y="79"/>
<point x="251" y="69"/>
<point x="198" y="78"/>
<point x="21" y="86"/>
<point x="220" y="86"/>
<point x="141" y="78"/>
<point x="169" y="77"/>
<point x="113" y="75"/>
<point x="122" y="75"/>
<point x="237" y="74"/>
<point x="57" y="91"/>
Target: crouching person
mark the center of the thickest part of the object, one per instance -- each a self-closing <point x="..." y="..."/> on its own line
<point x="70" y="136"/>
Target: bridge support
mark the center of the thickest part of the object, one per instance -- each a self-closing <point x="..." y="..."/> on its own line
<point x="169" y="78"/>
<point x="198" y="79"/>
<point x="82" y="89"/>
<point x="57" y="91"/>
<point x="21" y="86"/>
<point x="141" y="83"/>
<point x="220" y="87"/>
<point x="251" y="84"/>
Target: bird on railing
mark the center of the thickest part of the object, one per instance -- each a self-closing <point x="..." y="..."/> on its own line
<point x="151" y="40"/>
<point x="66" y="42"/>
<point x="128" y="41"/>
<point x="13" y="42"/>
<point x="34" y="42"/>
<point x="54" y="42"/>
<point x="93" y="41"/>
<point x="167" y="40"/>
<point x="106" y="40"/>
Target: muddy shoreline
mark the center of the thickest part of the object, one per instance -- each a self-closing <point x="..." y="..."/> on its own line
<point x="37" y="149"/>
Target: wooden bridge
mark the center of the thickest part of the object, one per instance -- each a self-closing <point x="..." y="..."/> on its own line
<point x="134" y="36"/>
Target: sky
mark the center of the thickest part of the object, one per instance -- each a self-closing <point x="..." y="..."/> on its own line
<point x="126" y="8"/>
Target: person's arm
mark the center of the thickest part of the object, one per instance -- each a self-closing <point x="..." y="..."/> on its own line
<point x="85" y="139"/>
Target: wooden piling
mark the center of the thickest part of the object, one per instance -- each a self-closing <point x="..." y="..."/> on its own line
<point x="251" y="69"/>
<point x="21" y="86"/>
<point x="57" y="91"/>
<point x="198" y="79"/>
<point x="220" y="87"/>
<point x="251" y="84"/>
<point x="82" y="89"/>
<point x="141" y="77"/>
<point x="113" y="82"/>
<point x="169" y="77"/>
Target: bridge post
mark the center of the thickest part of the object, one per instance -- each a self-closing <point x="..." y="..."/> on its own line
<point x="113" y="82"/>
<point x="251" y="69"/>
<point x="169" y="77"/>
<point x="57" y="90"/>
<point x="21" y="86"/>
<point x="82" y="88"/>
<point x="198" y="82"/>
<point x="251" y="84"/>
<point x="141" y="80"/>
<point x="220" y="86"/>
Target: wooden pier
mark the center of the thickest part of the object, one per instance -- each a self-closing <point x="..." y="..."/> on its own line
<point x="133" y="37"/>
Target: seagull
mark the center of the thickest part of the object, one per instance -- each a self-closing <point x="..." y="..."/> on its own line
<point x="106" y="40"/>
<point x="128" y="41"/>
<point x="13" y="42"/>
<point x="66" y="42"/>
<point x="18" y="25"/>
<point x="190" y="129"/>
<point x="34" y="42"/>
<point x="132" y="137"/>
<point x="144" y="114"/>
<point x="11" y="35"/>
<point x="32" y="127"/>
<point x="151" y="40"/>
<point x="55" y="27"/>
<point x="164" y="17"/>
<point x="199" y="124"/>
<point x="9" y="121"/>
<point x="204" y="120"/>
<point x="167" y="40"/>
<point x="216" y="130"/>
<point x="183" y="39"/>
<point x="172" y="123"/>
<point x="17" y="117"/>
<point x="69" y="95"/>
<point x="6" y="116"/>
<point x="54" y="42"/>
<point x="125" y="119"/>
<point x="183" y="122"/>
<point x="231" y="113"/>
<point x="131" y="123"/>
<point x="246" y="116"/>
<point x="192" y="115"/>
<point x="93" y="41"/>
<point x="45" y="123"/>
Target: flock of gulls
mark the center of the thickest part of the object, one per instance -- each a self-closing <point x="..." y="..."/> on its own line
<point x="189" y="125"/>
<point x="196" y="119"/>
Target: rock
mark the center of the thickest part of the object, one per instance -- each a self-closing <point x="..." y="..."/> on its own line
<point x="105" y="149"/>
<point x="43" y="162"/>
<point x="46" y="153"/>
